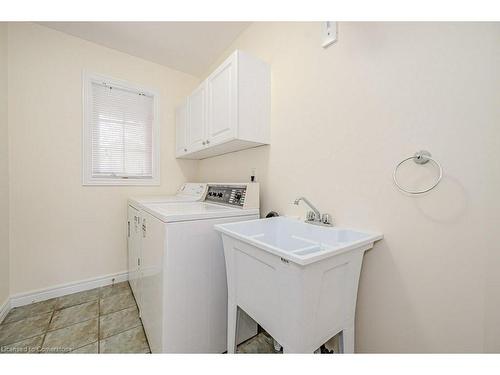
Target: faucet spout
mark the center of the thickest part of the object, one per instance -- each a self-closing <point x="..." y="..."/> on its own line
<point x="310" y="205"/>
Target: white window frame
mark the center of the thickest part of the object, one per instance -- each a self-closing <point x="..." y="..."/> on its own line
<point x="88" y="179"/>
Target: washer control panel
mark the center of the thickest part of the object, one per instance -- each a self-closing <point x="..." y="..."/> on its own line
<point x="233" y="195"/>
<point x="192" y="190"/>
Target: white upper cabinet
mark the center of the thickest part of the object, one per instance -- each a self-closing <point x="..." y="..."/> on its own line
<point x="222" y="103"/>
<point x="197" y="115"/>
<point x="229" y="111"/>
<point x="181" y="129"/>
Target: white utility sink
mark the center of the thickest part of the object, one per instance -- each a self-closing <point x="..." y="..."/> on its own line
<point x="297" y="280"/>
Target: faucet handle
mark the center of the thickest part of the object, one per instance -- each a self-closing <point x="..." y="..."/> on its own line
<point x="326" y="219"/>
<point x="311" y="216"/>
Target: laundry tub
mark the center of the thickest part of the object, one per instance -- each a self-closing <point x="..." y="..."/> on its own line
<point x="297" y="280"/>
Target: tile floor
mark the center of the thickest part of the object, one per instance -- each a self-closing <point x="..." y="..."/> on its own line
<point x="263" y="343"/>
<point x="260" y="344"/>
<point x="102" y="320"/>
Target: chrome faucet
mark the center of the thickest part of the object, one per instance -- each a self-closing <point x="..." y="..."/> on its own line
<point x="314" y="216"/>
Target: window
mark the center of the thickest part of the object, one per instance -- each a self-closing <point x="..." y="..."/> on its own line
<point x="121" y="134"/>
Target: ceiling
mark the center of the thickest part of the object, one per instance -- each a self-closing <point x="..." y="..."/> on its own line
<point x="190" y="47"/>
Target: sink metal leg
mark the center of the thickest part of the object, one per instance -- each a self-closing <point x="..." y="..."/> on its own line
<point x="232" y="320"/>
<point x="347" y="340"/>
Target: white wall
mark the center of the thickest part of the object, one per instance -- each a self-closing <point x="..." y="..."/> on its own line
<point x="62" y="231"/>
<point x="342" y="118"/>
<point x="4" y="169"/>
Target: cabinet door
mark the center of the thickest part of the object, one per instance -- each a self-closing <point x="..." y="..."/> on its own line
<point x="222" y="102"/>
<point x="153" y="235"/>
<point x="196" y="132"/>
<point x="134" y="252"/>
<point x="181" y="129"/>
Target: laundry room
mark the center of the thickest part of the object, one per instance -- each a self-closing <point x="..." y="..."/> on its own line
<point x="246" y="186"/>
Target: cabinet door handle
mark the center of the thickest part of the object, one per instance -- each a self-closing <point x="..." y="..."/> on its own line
<point x="185" y="150"/>
<point x="203" y="143"/>
<point x="128" y="228"/>
<point x="208" y="141"/>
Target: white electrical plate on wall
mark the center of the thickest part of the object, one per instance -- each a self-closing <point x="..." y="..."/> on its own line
<point x="329" y="33"/>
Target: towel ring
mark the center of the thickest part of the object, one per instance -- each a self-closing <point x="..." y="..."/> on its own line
<point x="421" y="157"/>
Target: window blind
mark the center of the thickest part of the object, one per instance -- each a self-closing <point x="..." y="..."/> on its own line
<point x="122" y="132"/>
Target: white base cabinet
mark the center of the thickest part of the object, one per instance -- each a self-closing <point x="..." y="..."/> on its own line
<point x="229" y="111"/>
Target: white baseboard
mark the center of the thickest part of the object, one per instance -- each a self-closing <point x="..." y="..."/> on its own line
<point x="4" y="309"/>
<point x="22" y="299"/>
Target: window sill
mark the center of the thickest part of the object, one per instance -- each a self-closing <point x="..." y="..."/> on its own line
<point x="121" y="182"/>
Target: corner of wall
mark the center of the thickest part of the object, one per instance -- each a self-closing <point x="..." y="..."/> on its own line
<point x="4" y="173"/>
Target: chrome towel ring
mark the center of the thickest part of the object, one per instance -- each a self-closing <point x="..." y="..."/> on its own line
<point x="420" y="157"/>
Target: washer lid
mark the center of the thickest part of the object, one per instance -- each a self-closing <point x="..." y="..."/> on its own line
<point x="188" y="192"/>
<point x="159" y="199"/>
<point x="173" y="212"/>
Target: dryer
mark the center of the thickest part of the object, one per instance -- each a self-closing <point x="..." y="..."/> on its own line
<point x="188" y="192"/>
<point x="183" y="280"/>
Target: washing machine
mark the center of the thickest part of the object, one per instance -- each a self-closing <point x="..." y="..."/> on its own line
<point x="183" y="275"/>
<point x="188" y="192"/>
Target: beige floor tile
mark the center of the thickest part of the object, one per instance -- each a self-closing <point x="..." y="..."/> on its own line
<point x="77" y="298"/>
<point x="116" y="302"/>
<point x="117" y="322"/>
<point x="72" y="324"/>
<point x="87" y="349"/>
<point x="28" y="346"/>
<point x="131" y="341"/>
<point x="75" y="314"/>
<point x="67" y="339"/>
<point x="109" y="290"/>
<point x="28" y="311"/>
<point x="261" y="343"/>
<point x="23" y="329"/>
